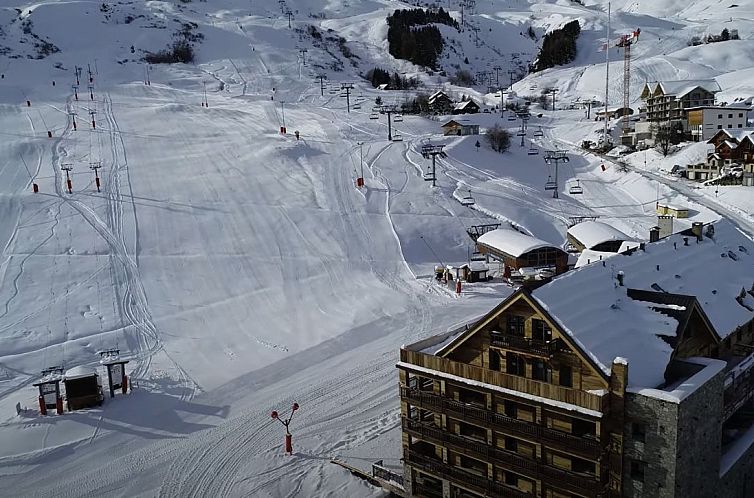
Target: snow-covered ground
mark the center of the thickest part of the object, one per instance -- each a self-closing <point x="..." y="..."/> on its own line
<point x="241" y="270"/>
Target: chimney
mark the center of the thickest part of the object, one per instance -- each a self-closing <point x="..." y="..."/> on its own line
<point x="620" y="276"/>
<point x="665" y="222"/>
<point x="696" y="229"/>
<point x="654" y="234"/>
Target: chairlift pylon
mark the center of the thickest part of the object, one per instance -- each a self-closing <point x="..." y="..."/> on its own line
<point x="576" y="189"/>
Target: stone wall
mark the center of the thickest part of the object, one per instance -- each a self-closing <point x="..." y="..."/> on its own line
<point x="658" y="451"/>
<point x="699" y="439"/>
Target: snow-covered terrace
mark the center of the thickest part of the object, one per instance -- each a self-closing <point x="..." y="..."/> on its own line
<point x="595" y="310"/>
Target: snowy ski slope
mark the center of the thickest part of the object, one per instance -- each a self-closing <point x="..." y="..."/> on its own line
<point x="241" y="270"/>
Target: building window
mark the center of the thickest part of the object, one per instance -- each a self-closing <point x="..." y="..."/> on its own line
<point x="540" y="370"/>
<point x="582" y="428"/>
<point x="516" y="325"/>
<point x="719" y="116"/>
<point x="637" y="470"/>
<point x="740" y="125"/>
<point x="719" y="127"/>
<point x="511" y="408"/>
<point x="511" y="479"/>
<point x="730" y="126"/>
<point x="515" y="365"/>
<point x="583" y="466"/>
<point x="566" y="376"/>
<point x="511" y="444"/>
<point x="638" y="431"/>
<point x="740" y="114"/>
<point x="730" y="116"/>
<point x="494" y="360"/>
<point x="540" y="331"/>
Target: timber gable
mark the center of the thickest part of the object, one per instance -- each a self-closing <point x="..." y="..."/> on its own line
<point x="475" y="346"/>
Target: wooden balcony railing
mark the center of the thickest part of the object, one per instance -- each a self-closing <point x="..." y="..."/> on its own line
<point x="583" y="447"/>
<point x="508" y="460"/>
<point x="466" y="479"/>
<point x="597" y="403"/>
<point x="525" y="345"/>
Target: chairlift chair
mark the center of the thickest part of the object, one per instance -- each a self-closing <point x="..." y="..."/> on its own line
<point x="398" y="118"/>
<point x="397" y="137"/>
<point x="467" y="200"/>
<point x="357" y="106"/>
<point x="550" y="185"/>
<point x="576" y="189"/>
<point x="520" y="133"/>
<point x="533" y="151"/>
<point x="374" y="115"/>
<point x="511" y="118"/>
<point x="539" y="133"/>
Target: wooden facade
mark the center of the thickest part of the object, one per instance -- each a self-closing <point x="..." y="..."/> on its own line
<point x="542" y="257"/>
<point x="511" y="408"/>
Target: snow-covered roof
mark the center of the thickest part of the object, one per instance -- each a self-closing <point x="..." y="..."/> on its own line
<point x="729" y="107"/>
<point x="461" y="122"/>
<point x="79" y="372"/>
<point x="598" y="313"/>
<point x="679" y="88"/>
<point x="511" y="242"/>
<point x="737" y="134"/>
<point x="591" y="233"/>
<point x="462" y="105"/>
<point x="437" y="94"/>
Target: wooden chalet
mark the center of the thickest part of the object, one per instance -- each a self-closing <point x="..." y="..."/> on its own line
<point x="460" y="127"/>
<point x="466" y="107"/>
<point x="440" y="103"/>
<point x="733" y="147"/>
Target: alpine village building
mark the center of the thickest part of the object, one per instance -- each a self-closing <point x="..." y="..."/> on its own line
<point x="632" y="377"/>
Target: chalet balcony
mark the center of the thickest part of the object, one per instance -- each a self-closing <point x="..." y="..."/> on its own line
<point x="471" y="447"/>
<point x="543" y="349"/>
<point x="590" y="449"/>
<point x="508" y="460"/>
<point x="476" y="483"/>
<point x="577" y="397"/>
